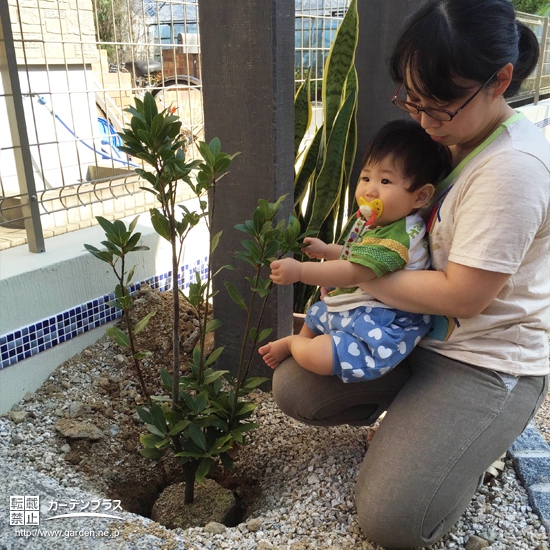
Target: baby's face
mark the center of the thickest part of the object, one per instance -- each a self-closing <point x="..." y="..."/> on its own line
<point x="384" y="181"/>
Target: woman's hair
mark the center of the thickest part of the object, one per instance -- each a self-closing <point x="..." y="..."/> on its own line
<point x="469" y="39"/>
<point x="420" y="159"/>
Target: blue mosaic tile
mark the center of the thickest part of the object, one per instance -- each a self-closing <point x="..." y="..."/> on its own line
<point x="46" y="333"/>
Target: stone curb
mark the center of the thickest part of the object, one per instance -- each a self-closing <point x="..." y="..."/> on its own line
<point x="530" y="454"/>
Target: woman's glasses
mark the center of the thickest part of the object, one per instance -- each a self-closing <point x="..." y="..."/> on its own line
<point x="439" y="114"/>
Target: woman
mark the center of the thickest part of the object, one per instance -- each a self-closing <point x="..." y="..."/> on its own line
<point x="456" y="404"/>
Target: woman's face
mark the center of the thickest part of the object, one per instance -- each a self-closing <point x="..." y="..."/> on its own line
<point x="470" y="126"/>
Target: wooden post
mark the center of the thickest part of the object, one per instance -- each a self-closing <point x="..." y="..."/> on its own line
<point x="247" y="58"/>
<point x="380" y="22"/>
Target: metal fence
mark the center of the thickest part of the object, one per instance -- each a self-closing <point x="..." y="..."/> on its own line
<point x="538" y="83"/>
<point x="67" y="72"/>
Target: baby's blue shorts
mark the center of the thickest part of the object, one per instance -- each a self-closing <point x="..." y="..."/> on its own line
<point x="368" y="342"/>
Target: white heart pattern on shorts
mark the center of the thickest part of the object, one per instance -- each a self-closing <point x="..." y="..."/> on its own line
<point x="417" y="340"/>
<point x="384" y="352"/>
<point x="402" y="347"/>
<point x="427" y="318"/>
<point x="368" y="319"/>
<point x="320" y="329"/>
<point x="375" y="333"/>
<point x="314" y="310"/>
<point x="357" y="373"/>
<point x="336" y="339"/>
<point x="346" y="321"/>
<point x="346" y="366"/>
<point x="353" y="349"/>
<point x="323" y="318"/>
<point x="371" y="363"/>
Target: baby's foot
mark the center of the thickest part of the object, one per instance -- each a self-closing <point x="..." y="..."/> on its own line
<point x="275" y="352"/>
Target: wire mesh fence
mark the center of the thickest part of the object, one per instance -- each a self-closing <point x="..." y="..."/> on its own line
<point x="78" y="64"/>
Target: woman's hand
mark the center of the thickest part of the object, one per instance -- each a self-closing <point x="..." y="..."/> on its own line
<point x="316" y="248"/>
<point x="285" y="271"/>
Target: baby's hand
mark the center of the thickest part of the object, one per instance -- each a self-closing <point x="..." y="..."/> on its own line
<point x="285" y="271"/>
<point x="316" y="248"/>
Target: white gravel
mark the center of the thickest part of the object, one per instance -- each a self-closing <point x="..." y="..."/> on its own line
<point x="307" y="475"/>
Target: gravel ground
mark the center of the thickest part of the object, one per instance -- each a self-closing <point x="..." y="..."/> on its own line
<point x="307" y="475"/>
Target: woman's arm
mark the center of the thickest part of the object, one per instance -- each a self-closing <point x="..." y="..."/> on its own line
<point x="336" y="273"/>
<point x="461" y="291"/>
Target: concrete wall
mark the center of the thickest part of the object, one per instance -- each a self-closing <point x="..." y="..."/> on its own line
<point x="41" y="288"/>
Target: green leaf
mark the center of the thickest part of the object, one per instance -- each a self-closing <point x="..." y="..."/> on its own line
<point x="204" y="467"/>
<point x="166" y="378"/>
<point x="302" y="113"/>
<point x="214" y="376"/>
<point x="235" y="295"/>
<point x="254" y="382"/>
<point x="130" y="275"/>
<point x="264" y="334"/>
<point x="153" y="454"/>
<point x="196" y="435"/>
<point x="215" y="241"/>
<point x="150" y="109"/>
<point x="340" y="60"/>
<point x="201" y="401"/>
<point x="121" y="338"/>
<point x="179" y="427"/>
<point x="153" y="429"/>
<point x="145" y="415"/>
<point x="213" y="356"/>
<point x="215" y="146"/>
<point x="328" y="183"/>
<point x="150" y="440"/>
<point x="243" y="408"/>
<point x="158" y="418"/>
<point x="242" y="428"/>
<point x="102" y="255"/>
<point x="308" y="167"/>
<point x="213" y="325"/>
<point x="140" y="325"/>
<point x="160" y="223"/>
<point x="227" y="461"/>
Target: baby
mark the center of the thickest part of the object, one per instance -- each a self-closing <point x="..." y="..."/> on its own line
<point x="350" y="334"/>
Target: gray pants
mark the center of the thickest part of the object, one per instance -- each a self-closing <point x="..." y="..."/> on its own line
<point x="446" y="423"/>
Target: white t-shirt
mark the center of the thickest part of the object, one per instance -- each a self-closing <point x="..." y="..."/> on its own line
<point x="496" y="217"/>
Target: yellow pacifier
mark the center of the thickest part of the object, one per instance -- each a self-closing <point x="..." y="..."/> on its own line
<point x="370" y="210"/>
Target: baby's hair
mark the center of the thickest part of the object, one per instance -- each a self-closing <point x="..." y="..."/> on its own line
<point x="420" y="159"/>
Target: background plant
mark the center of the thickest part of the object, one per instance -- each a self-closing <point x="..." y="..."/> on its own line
<point x="323" y="168"/>
<point x="120" y="242"/>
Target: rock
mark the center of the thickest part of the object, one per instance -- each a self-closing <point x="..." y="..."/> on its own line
<point x="28" y="396"/>
<point x="18" y="416"/>
<point x="65" y="448"/>
<point x="476" y="543"/>
<point x="65" y="384"/>
<point x="254" y="524"/>
<point x="264" y="545"/>
<point x="16" y="439"/>
<point x="542" y="546"/>
<point x="88" y="352"/>
<point x="214" y="528"/>
<point x="212" y="503"/>
<point x="120" y="358"/>
<point x="76" y="408"/>
<point x="71" y="429"/>
<point x="17" y="407"/>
